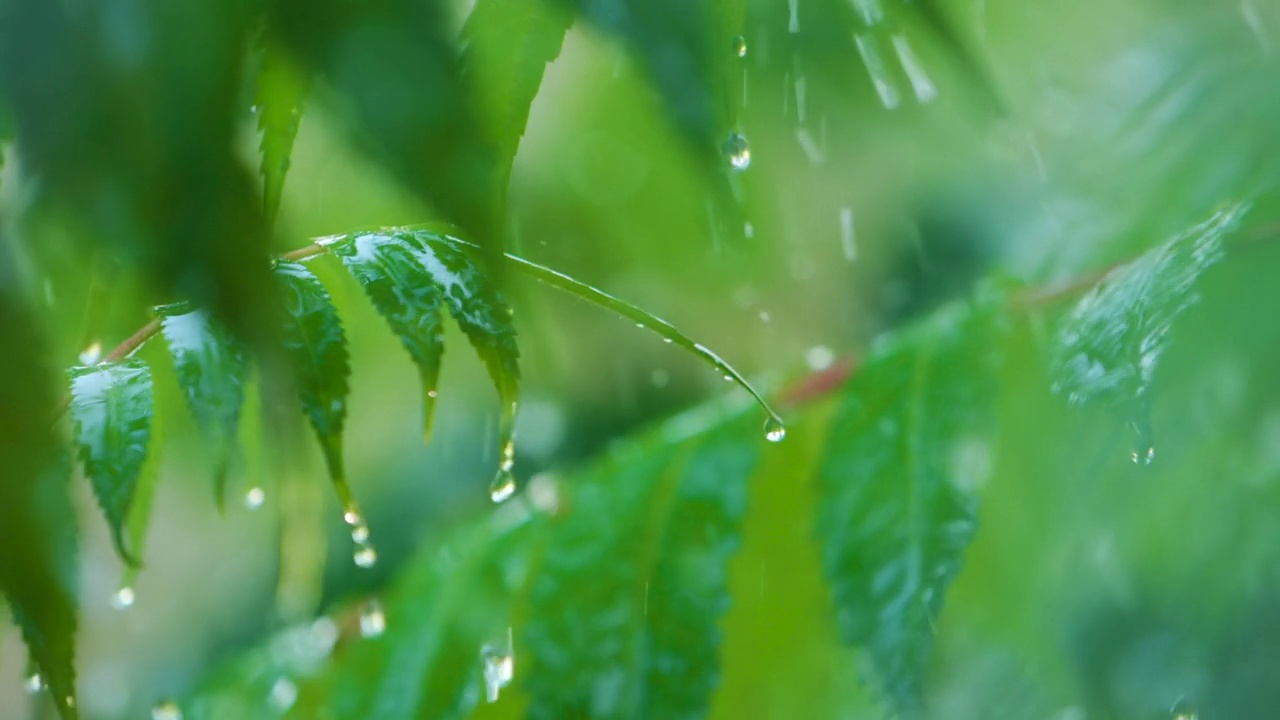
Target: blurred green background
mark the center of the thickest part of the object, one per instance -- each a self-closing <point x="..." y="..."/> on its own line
<point x="891" y="167"/>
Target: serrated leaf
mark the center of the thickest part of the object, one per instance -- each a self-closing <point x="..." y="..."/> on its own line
<point x="507" y="46"/>
<point x="1110" y="344"/>
<point x="894" y="520"/>
<point x="655" y="540"/>
<point x="38" y="570"/>
<point x="210" y="367"/>
<point x="111" y="407"/>
<point x="484" y="316"/>
<point x="317" y="349"/>
<point x="280" y="97"/>
<point x="391" y="271"/>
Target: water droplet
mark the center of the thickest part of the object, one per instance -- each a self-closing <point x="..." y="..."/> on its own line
<point x="881" y="79"/>
<point x="433" y="394"/>
<point x="921" y="85"/>
<point x="1184" y="710"/>
<point x="360" y="534"/>
<point x="254" y="498"/>
<point x="764" y="316"/>
<point x="819" y="357"/>
<point x="373" y="621"/>
<point x="253" y="109"/>
<point x="92" y="354"/>
<point x="1140" y="456"/>
<point x="284" y="693"/>
<point x="33" y="683"/>
<point x="544" y="493"/>
<point x="123" y="598"/>
<point x="848" y="241"/>
<point x="167" y="710"/>
<point x="793" y="16"/>
<point x="748" y="230"/>
<point x="365" y="556"/>
<point x="774" y="431"/>
<point x="737" y="151"/>
<point x="499" y="670"/>
<point x="667" y="340"/>
<point x="740" y="46"/>
<point x="352" y="517"/>
<point x="728" y="378"/>
<point x="640" y="325"/>
<point x="502" y="487"/>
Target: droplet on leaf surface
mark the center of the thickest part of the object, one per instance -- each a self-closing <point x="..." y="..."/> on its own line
<point x="737" y="151"/>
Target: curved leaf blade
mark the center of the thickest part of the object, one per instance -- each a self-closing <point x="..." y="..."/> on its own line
<point x="111" y="407"/>
<point x="38" y="571"/>
<point x="655" y="540"/>
<point x="280" y="98"/>
<point x="391" y="271"/>
<point x="894" y="522"/>
<point x="210" y="367"/>
<point x="485" y="317"/>
<point x="317" y="350"/>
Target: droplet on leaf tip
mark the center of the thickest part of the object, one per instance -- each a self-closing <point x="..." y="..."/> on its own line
<point x="502" y="487"/>
<point x="360" y="534"/>
<point x="352" y="516"/>
<point x="774" y="430"/>
<point x="365" y="556"/>
<point x="737" y="151"/>
<point x="33" y="683"/>
<point x="123" y="598"/>
<point x="740" y="46"/>
<point x="373" y="621"/>
<point x="92" y="354"/>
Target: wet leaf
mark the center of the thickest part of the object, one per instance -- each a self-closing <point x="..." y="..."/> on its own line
<point x="894" y="519"/>
<point x="38" y="571"/>
<point x="111" y="407"/>
<point x="390" y="268"/>
<point x="210" y="367"/>
<point x="317" y="350"/>
<point x="280" y="99"/>
<point x="655" y="538"/>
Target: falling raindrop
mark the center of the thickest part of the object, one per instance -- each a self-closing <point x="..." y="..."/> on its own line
<point x="167" y="710"/>
<point x="1141" y="456"/>
<point x="819" y="357"/>
<point x="92" y="354"/>
<point x="284" y="693"/>
<point x="848" y="241"/>
<point x="764" y="316"/>
<point x="774" y="431"/>
<point x="254" y="498"/>
<point x="499" y="668"/>
<point x="502" y="487"/>
<point x="123" y="598"/>
<point x="737" y="151"/>
<point x="811" y="147"/>
<point x="365" y="556"/>
<point x="740" y="46"/>
<point x="876" y="70"/>
<point x="33" y="683"/>
<point x="801" y="85"/>
<point x="544" y="493"/>
<point x="921" y="85"/>
<point x="373" y="621"/>
<point x="748" y="230"/>
<point x="793" y="16"/>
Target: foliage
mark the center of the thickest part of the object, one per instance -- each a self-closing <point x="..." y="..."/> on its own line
<point x="1038" y="266"/>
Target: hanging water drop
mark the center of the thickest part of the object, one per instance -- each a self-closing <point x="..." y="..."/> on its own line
<point x="737" y="151"/>
<point x="774" y="431"/>
<point x="92" y="354"/>
<point x="365" y="556"/>
<point x="123" y="598"/>
<point x="360" y="534"/>
<point x="352" y="516"/>
<point x="373" y="621"/>
<point x="502" y="487"/>
<point x="167" y="710"/>
<point x="499" y="668"/>
<point x="254" y="498"/>
<point x="284" y="693"/>
<point x="740" y="46"/>
<point x="819" y="357"/>
<point x="33" y="683"/>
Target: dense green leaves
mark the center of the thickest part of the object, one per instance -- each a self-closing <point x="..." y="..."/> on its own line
<point x="111" y="407"/>
<point x="317" y="350"/>
<point x="37" y="529"/>
<point x="211" y="369"/>
<point x="1109" y="346"/>
<point x="910" y="443"/>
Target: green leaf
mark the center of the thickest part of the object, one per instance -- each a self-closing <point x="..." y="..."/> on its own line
<point x="210" y="367"/>
<point x="655" y="540"/>
<point x="280" y="97"/>
<point x="507" y="46"/>
<point x="111" y="406"/>
<point x="1109" y="346"/>
<point x="484" y="316"/>
<point x="38" y="569"/>
<point x="895" y="517"/>
<point x="317" y="350"/>
<point x="390" y="268"/>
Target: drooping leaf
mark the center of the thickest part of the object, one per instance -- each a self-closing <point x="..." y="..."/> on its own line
<point x="655" y="539"/>
<point x="482" y="313"/>
<point x="280" y="97"/>
<point x="390" y="269"/>
<point x="317" y="350"/>
<point x="507" y="45"/>
<point x="1110" y="344"/>
<point x="111" y="407"/>
<point x="397" y="84"/>
<point x="38" y="572"/>
<point x="894" y="520"/>
<point x="210" y="367"/>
